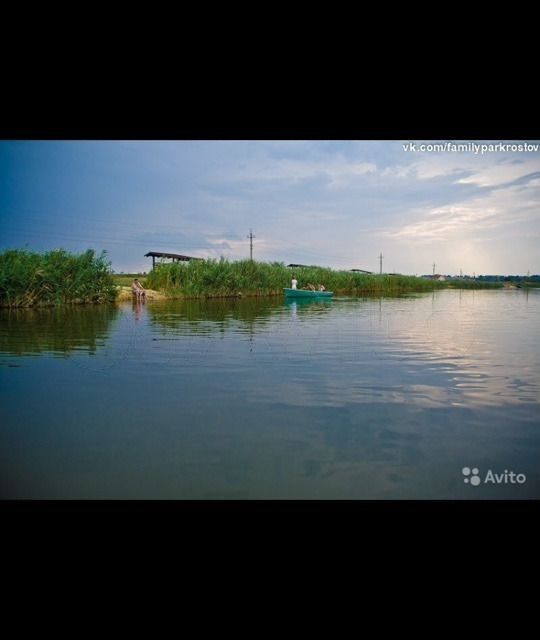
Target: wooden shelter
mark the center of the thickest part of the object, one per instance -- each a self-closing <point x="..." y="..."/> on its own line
<point x="175" y="257"/>
<point x="302" y="266"/>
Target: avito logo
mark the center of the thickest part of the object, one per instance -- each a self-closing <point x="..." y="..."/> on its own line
<point x="474" y="479"/>
<point x="472" y="476"/>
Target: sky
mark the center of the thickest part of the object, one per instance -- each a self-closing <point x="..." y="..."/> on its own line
<point x="329" y="202"/>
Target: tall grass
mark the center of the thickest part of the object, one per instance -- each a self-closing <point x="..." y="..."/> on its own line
<point x="245" y="277"/>
<point x="474" y="284"/>
<point x="30" y="279"/>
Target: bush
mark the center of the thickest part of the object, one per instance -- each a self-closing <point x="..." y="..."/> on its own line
<point x="56" y="277"/>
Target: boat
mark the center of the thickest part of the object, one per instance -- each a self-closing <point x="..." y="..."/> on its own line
<point x="306" y="293"/>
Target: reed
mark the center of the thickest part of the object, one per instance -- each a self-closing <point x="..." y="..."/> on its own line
<point x="474" y="284"/>
<point x="215" y="278"/>
<point x="29" y="279"/>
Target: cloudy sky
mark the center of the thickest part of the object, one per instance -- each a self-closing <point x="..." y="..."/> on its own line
<point x="332" y="203"/>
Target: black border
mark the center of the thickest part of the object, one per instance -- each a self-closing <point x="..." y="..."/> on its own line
<point x="209" y="109"/>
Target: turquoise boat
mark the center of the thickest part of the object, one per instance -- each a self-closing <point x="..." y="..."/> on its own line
<point x="303" y="293"/>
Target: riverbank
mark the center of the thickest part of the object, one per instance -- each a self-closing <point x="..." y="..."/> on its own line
<point x="366" y="284"/>
<point x="125" y="294"/>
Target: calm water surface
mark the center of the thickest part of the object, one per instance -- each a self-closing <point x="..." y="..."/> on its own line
<point x="234" y="399"/>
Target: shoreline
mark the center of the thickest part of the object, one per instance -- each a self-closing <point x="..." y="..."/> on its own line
<point x="126" y="296"/>
<point x="153" y="295"/>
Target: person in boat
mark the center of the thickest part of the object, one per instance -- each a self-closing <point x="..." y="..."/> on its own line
<point x="138" y="290"/>
<point x="294" y="283"/>
<point x="322" y="287"/>
<point x="311" y="287"/>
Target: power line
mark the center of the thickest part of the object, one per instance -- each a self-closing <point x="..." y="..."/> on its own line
<point x="113" y="231"/>
<point x="251" y="236"/>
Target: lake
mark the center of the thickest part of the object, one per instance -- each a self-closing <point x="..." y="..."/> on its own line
<point x="425" y="396"/>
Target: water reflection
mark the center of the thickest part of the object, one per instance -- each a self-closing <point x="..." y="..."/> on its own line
<point x="430" y="351"/>
<point x="57" y="330"/>
<point x="266" y="398"/>
<point x="138" y="306"/>
<point x="475" y="351"/>
<point x="307" y="305"/>
<point x="204" y="316"/>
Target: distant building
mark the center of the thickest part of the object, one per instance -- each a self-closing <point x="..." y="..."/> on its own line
<point x="361" y="271"/>
<point x="437" y="276"/>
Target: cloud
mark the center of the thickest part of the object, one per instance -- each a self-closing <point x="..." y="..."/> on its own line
<point x="337" y="203"/>
<point x="331" y="171"/>
<point x="341" y="209"/>
<point x="497" y="208"/>
<point x="483" y="170"/>
<point x="502" y="173"/>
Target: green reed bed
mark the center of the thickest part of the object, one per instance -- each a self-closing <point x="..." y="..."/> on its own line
<point x="29" y="279"/>
<point x="474" y="284"/>
<point x="215" y="278"/>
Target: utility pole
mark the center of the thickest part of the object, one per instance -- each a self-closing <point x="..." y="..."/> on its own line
<point x="434" y="268"/>
<point x="251" y="236"/>
<point x="380" y="263"/>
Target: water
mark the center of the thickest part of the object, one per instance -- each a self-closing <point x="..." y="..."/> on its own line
<point x="256" y="399"/>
